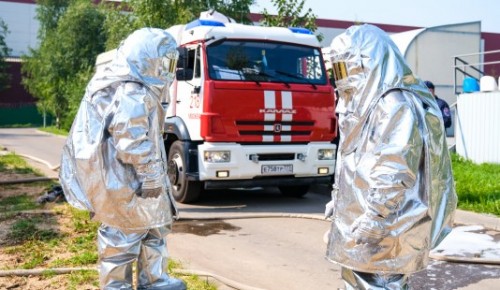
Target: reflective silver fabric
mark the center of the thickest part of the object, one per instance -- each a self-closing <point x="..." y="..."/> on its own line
<point x="119" y="249"/>
<point x="394" y="196"/>
<point x="368" y="281"/>
<point x="113" y="163"/>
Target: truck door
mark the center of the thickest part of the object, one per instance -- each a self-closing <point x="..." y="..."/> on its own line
<point x="188" y="91"/>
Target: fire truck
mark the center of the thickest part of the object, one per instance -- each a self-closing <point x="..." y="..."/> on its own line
<point x="250" y="107"/>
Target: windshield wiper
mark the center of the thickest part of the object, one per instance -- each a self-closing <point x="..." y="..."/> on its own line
<point x="212" y="41"/>
<point x="296" y="77"/>
<point x="263" y="73"/>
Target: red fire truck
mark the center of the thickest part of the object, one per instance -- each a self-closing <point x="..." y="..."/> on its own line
<point x="250" y="107"/>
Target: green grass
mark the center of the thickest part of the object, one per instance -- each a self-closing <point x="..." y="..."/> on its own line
<point x="36" y="239"/>
<point x="54" y="130"/>
<point x="17" y="203"/>
<point x="477" y="185"/>
<point x="83" y="277"/>
<point x="26" y="229"/>
<point x="13" y="163"/>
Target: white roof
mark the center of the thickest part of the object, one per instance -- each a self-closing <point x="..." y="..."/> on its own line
<point x="403" y="39"/>
<point x="241" y="31"/>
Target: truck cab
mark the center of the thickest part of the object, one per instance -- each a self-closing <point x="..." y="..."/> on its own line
<point x="251" y="106"/>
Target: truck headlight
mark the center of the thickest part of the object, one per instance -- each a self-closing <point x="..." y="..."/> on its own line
<point x="326" y="154"/>
<point x="217" y="156"/>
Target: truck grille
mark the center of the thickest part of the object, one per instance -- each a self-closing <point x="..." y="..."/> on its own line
<point x="274" y="157"/>
<point x="272" y="128"/>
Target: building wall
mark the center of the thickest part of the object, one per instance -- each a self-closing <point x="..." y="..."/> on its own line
<point x="431" y="54"/>
<point x="16" y="95"/>
<point x="20" y="19"/>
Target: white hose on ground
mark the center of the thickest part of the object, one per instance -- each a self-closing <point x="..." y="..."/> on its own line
<point x="26" y="180"/>
<point x="62" y="271"/>
<point x="226" y="281"/>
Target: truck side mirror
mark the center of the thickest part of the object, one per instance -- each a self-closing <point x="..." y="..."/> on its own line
<point x="183" y="57"/>
<point x="184" y="74"/>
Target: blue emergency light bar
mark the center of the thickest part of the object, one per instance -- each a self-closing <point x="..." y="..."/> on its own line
<point x="202" y="22"/>
<point x="300" y="30"/>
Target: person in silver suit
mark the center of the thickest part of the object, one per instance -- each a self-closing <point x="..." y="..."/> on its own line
<point x="113" y="162"/>
<point x="393" y="199"/>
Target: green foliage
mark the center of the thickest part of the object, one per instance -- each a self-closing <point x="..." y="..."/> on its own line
<point x="239" y="10"/>
<point x="289" y="15"/>
<point x="16" y="203"/>
<point x="12" y="163"/>
<point x="477" y="185"/>
<point x="4" y="53"/>
<point x="117" y="24"/>
<point x="163" y="14"/>
<point x="75" y="88"/>
<point x="73" y="32"/>
<point x="48" y="13"/>
<point x="66" y="54"/>
<point x="192" y="281"/>
<point x="54" y="130"/>
<point x="26" y="229"/>
<point x="78" y="278"/>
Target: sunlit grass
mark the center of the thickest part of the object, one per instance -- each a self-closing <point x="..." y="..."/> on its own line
<point x="54" y="130"/>
<point x="64" y="238"/>
<point x="13" y="163"/>
<point x="477" y="185"/>
<point x="17" y="203"/>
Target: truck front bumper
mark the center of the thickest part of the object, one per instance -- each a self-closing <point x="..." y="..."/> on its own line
<point x="265" y="165"/>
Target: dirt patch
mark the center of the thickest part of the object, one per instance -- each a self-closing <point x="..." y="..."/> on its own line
<point x="52" y="221"/>
<point x="16" y="176"/>
<point x="29" y="189"/>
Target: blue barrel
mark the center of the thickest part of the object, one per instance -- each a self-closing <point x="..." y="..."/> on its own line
<point x="470" y="85"/>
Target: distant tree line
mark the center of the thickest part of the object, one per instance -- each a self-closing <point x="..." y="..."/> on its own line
<point x="73" y="32"/>
<point x="4" y="53"/>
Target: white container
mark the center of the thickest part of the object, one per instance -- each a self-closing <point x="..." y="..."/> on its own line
<point x="488" y="84"/>
<point x="477" y="127"/>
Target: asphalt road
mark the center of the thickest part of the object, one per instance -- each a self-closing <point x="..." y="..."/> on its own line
<point x="257" y="238"/>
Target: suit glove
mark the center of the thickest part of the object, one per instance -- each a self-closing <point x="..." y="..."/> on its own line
<point x="329" y="209"/>
<point x="368" y="229"/>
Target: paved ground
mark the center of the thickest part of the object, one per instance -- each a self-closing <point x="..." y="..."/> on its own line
<point x="223" y="245"/>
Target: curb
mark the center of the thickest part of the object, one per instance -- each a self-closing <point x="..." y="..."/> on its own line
<point x="471" y="218"/>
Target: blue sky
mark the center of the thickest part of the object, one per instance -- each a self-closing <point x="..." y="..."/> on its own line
<point x="422" y="13"/>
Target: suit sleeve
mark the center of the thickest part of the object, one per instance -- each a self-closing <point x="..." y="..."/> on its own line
<point x="393" y="154"/>
<point x="130" y="134"/>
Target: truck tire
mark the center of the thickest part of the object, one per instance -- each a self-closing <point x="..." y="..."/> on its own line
<point x="294" y="191"/>
<point x="184" y="191"/>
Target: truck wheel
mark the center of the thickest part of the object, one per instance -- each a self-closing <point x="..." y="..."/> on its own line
<point x="184" y="191"/>
<point x="294" y="191"/>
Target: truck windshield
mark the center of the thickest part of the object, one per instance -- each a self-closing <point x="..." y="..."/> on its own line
<point x="258" y="61"/>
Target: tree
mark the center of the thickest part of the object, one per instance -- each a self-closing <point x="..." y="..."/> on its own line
<point x="118" y="23"/>
<point x="64" y="53"/>
<point x="35" y="65"/>
<point x="123" y="19"/>
<point x="164" y="14"/>
<point x="289" y="15"/>
<point x="48" y="13"/>
<point x="73" y="32"/>
<point x="4" y="53"/>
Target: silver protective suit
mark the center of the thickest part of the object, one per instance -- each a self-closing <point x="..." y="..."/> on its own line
<point x="393" y="197"/>
<point x="114" y="152"/>
<point x="113" y="162"/>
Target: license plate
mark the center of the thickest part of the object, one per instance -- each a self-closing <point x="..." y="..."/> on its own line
<point x="277" y="169"/>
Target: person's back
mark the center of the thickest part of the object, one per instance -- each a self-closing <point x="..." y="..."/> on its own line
<point x="393" y="170"/>
<point x="443" y="105"/>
